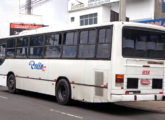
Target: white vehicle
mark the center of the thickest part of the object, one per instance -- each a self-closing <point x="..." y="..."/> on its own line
<point x="101" y="63"/>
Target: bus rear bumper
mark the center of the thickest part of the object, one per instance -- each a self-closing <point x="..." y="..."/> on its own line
<point x="118" y="98"/>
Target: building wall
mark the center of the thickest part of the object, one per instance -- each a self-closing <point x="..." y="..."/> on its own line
<point x="137" y="9"/>
<point x="53" y="12"/>
<point x="102" y="11"/>
<point x="158" y="9"/>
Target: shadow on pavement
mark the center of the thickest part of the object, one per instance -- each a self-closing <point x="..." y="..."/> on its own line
<point x="110" y="108"/>
<point x="106" y="108"/>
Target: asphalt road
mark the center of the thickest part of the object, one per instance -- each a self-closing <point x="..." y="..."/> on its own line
<point x="33" y="106"/>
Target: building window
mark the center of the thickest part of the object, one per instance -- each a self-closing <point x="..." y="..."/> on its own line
<point x="72" y="19"/>
<point x="115" y="16"/>
<point x="88" y="19"/>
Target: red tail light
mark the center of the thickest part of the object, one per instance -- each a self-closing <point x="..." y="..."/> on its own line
<point x="119" y="78"/>
<point x="127" y="93"/>
<point x="161" y="92"/>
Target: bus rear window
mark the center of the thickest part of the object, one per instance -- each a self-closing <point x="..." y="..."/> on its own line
<point x="139" y="43"/>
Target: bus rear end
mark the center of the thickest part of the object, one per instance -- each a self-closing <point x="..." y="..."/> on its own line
<point x="139" y="66"/>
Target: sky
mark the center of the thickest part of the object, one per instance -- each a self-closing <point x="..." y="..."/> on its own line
<point x="8" y="8"/>
<point x="10" y="13"/>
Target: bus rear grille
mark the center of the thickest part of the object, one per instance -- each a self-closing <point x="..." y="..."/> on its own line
<point x="132" y="83"/>
<point x="157" y="84"/>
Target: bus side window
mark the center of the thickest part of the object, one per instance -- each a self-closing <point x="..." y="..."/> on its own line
<point x="92" y="36"/>
<point x="86" y="51"/>
<point x="84" y="37"/>
<point x="22" y="52"/>
<point x="2" y="51"/>
<point x="104" y="44"/>
<point x="53" y="39"/>
<point x="87" y="44"/>
<point x="36" y="46"/>
<point x="70" y="45"/>
<point x="11" y="43"/>
<point x="105" y="35"/>
<point x="53" y="45"/>
<point x="36" y="40"/>
<point x="22" y="47"/>
<point x="10" y="51"/>
<point x="68" y="38"/>
<point x="22" y="42"/>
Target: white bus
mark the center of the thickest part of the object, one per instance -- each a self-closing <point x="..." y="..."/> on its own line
<point x="101" y="63"/>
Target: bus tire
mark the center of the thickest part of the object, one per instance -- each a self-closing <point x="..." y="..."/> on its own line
<point x="63" y="92"/>
<point x="11" y="83"/>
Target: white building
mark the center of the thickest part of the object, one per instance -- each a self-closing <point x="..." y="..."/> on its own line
<point x="48" y="12"/>
<point x="86" y="12"/>
<point x="75" y="12"/>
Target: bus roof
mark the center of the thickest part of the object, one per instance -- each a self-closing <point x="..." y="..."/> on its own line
<point x="57" y="29"/>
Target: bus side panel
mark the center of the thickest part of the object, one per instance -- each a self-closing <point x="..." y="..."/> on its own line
<point x="4" y="71"/>
<point x="32" y="78"/>
<point x="87" y="78"/>
<point x="45" y="87"/>
<point x="3" y="81"/>
<point x="87" y="85"/>
<point x="81" y="75"/>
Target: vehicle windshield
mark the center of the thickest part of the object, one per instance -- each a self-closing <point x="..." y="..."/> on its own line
<point x="143" y="43"/>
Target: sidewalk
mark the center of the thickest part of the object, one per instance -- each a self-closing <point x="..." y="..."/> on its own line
<point x="156" y="106"/>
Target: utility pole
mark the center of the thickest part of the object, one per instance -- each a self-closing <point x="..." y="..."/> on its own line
<point x="28" y="7"/>
<point x="122" y="11"/>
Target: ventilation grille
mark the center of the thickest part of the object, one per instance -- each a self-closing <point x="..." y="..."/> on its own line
<point x="99" y="80"/>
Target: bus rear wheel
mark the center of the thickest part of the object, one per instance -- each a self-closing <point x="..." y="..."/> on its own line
<point x="63" y="92"/>
<point x="11" y="83"/>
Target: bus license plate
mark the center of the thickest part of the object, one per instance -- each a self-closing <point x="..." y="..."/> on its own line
<point x="145" y="82"/>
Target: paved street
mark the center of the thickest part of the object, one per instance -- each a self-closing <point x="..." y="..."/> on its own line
<point x="32" y="106"/>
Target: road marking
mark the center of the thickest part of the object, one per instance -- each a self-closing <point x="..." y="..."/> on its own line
<point x="3" y="97"/>
<point x="68" y="114"/>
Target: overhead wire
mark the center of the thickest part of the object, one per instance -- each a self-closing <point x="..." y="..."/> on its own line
<point x="33" y="3"/>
